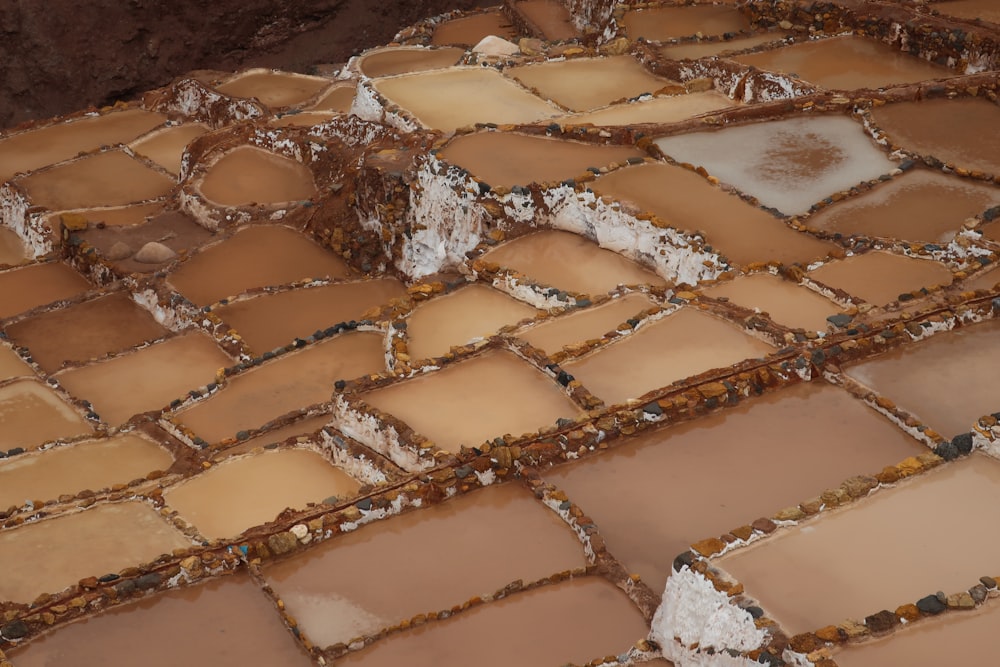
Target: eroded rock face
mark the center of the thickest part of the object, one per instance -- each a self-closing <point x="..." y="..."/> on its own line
<point x="60" y="55"/>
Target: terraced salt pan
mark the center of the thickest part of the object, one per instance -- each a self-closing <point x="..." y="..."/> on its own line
<point x="12" y="249"/>
<point x="878" y="554"/>
<point x="250" y="175"/>
<point x="583" y="84"/>
<point x="570" y="262"/>
<point x="251" y="490"/>
<point x="37" y="285"/>
<point x="928" y="128"/>
<point x="680" y="345"/>
<point x="255" y="256"/>
<point x="337" y="98"/>
<point x="86" y="330"/>
<point x="290" y="382"/>
<point x="686" y="201"/>
<point x="116" y="216"/>
<point x="427" y="560"/>
<point x="47" y="556"/>
<point x="573" y="621"/>
<point x="174" y="229"/>
<point x="273" y="320"/>
<point x="847" y="62"/>
<point x="471" y="401"/>
<point x="986" y="280"/>
<point x="304" y="119"/>
<point x="880" y="277"/>
<point x="695" y="50"/>
<point x="91" y="465"/>
<point x="656" y="494"/>
<point x="787" y="303"/>
<point x="969" y="9"/>
<point x="274" y="89"/>
<point x="147" y="379"/>
<point x="302" y="427"/>
<point x="32" y="149"/>
<point x="920" y="205"/>
<point x="32" y="414"/>
<point x="991" y="230"/>
<point x="549" y="16"/>
<point x="166" y="147"/>
<point x="111" y="178"/>
<point x="470" y="30"/>
<point x="666" y="109"/>
<point x="665" y="23"/>
<point x="387" y="62"/>
<point x="12" y="366"/>
<point x="226" y="622"/>
<point x="786" y="164"/>
<point x="475" y="311"/>
<point x="950" y="380"/>
<point x="581" y="325"/>
<point x="459" y="96"/>
<point x="508" y="159"/>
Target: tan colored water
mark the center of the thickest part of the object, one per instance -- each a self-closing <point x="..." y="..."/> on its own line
<point x="582" y="325"/>
<point x="668" y="109"/>
<point x="11" y="365"/>
<point x="583" y="84"/>
<point x="470" y="30"/>
<point x="847" y="62"/>
<point x="303" y="427"/>
<point x="47" y="556"/>
<point x="812" y="575"/>
<point x="32" y="414"/>
<point x="958" y="639"/>
<point x="111" y="178"/>
<point x="147" y="379"/>
<point x="254" y="257"/>
<point x="87" y="465"/>
<point x="475" y="544"/>
<point x="665" y="23"/>
<point x="166" y="147"/>
<point x="573" y="621"/>
<point x="88" y="330"/>
<point x="475" y="311"/>
<point x="285" y="384"/>
<point x="680" y="345"/>
<point x="986" y="280"/>
<point x="787" y="164"/>
<point x="270" y="321"/>
<point x="249" y="175"/>
<point x="337" y="98"/>
<point x="950" y="380"/>
<point x="27" y="151"/>
<point x="274" y="89"/>
<point x="789" y="304"/>
<point x="920" y="205"/>
<point x="986" y="10"/>
<point x="549" y="16"/>
<point x="459" y="96"/>
<point x="387" y="62"/>
<point x="880" y="277"/>
<point x="304" y="119"/>
<point x="117" y="216"/>
<point x="991" y="230"/>
<point x="694" y="50"/>
<point x="12" y="249"/>
<point x="225" y="622"/>
<point x="927" y="128"/>
<point x="660" y="492"/>
<point x="688" y="202"/>
<point x="570" y="262"/>
<point x="509" y="159"/>
<point x="36" y="285"/>
<point x="252" y="490"/>
<point x="471" y="401"/>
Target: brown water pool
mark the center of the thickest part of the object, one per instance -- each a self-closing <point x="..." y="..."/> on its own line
<point x="274" y="89"/>
<point x="166" y="147"/>
<point x="37" y="285"/>
<point x="249" y="175"/>
<point x="665" y="23"/>
<point x="549" y="16"/>
<point x="470" y="30"/>
<point x="695" y="50"/>
<point x="581" y="325"/>
<point x="789" y="304"/>
<point x="666" y="109"/>
<point x="402" y="60"/>
<point x="880" y="277"/>
<point x="32" y="414"/>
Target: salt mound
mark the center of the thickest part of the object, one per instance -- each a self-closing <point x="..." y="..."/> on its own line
<point x="491" y="45"/>
<point x="154" y="253"/>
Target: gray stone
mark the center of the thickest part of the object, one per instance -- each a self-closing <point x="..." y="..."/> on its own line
<point x="931" y="605"/>
<point x="14" y="630"/>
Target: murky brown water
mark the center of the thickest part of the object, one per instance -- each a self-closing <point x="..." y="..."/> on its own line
<point x="570" y="262"/>
<point x="251" y="490"/>
<point x="47" y="556"/>
<point x="428" y="560"/>
<point x="470" y="30"/>
<point x="303" y="427"/>
<point x="469" y="402"/>
<point x="879" y="554"/>
<point x="166" y="147"/>
<point x="147" y="379"/>
<point x="117" y="216"/>
<point x="338" y="98"/>
<point x="12" y="366"/>
<point x="665" y="23"/>
<point x="304" y="119"/>
<point x="273" y="320"/>
<point x="789" y="304"/>
<point x="549" y="16"/>
<point x="12" y="249"/>
<point x="880" y="277"/>
<point x="226" y="622"/>
<point x="475" y="311"/>
<point x="32" y="414"/>
<point x="387" y="62"/>
<point x="288" y="383"/>
<point x="694" y="50"/>
<point x="573" y="621"/>
<point x="90" y="465"/>
<point x="582" y="325"/>
<point x="508" y="159"/>
<point x="986" y="10"/>
<point x="680" y="345"/>
<point x="660" y="492"/>
<point x="984" y="280"/>
<point x="254" y="257"/>
<point x="250" y="175"/>
<point x="274" y="89"/>
<point x="668" y="109"/>
<point x="36" y="285"/>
